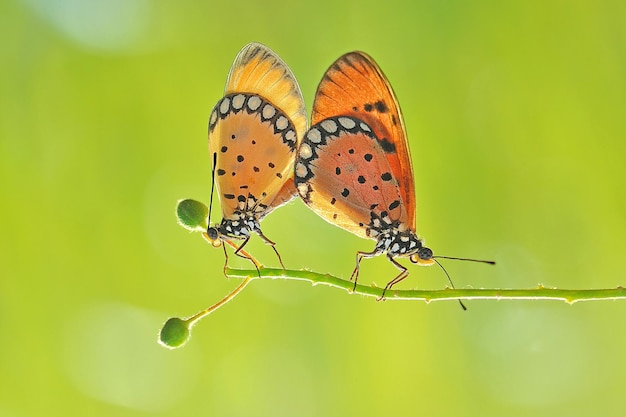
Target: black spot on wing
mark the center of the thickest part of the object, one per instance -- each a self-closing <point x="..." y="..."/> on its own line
<point x="381" y="107"/>
<point x="387" y="146"/>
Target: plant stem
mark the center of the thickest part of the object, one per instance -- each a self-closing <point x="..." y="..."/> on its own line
<point x="538" y="293"/>
<point x="198" y="316"/>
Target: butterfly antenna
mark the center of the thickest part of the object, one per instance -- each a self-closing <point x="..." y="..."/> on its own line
<point x="212" y="187"/>
<point x="465" y="259"/>
<point x="450" y="279"/>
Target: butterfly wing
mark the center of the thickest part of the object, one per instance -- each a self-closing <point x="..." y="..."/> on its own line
<point x="255" y="130"/>
<point x="257" y="69"/>
<point x="343" y="173"/>
<point x="355" y="86"/>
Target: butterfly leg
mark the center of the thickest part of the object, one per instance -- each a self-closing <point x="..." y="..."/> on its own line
<point x="359" y="257"/>
<point x="225" y="260"/>
<point x="239" y="251"/>
<point x="403" y="274"/>
<point x="273" y="245"/>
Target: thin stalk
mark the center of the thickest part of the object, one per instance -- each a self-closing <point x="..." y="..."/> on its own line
<point x="538" y="293"/>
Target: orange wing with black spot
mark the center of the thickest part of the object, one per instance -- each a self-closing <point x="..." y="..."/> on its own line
<point x="354" y="85"/>
<point x="343" y="174"/>
<point x="255" y="130"/>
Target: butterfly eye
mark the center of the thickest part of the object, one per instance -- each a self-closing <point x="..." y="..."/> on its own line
<point x="212" y="235"/>
<point x="424" y="256"/>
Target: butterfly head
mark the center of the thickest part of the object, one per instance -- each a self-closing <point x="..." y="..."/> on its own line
<point x="423" y="257"/>
<point x="213" y="235"/>
<point x="405" y="243"/>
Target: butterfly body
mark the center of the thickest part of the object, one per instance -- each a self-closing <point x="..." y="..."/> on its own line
<point x="254" y="132"/>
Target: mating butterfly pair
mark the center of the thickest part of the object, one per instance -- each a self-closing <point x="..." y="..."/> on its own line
<point x="352" y="167"/>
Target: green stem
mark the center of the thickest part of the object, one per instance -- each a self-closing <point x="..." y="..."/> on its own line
<point x="200" y="315"/>
<point x="538" y="293"/>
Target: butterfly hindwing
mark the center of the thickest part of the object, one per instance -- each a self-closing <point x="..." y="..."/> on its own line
<point x="255" y="145"/>
<point x="343" y="173"/>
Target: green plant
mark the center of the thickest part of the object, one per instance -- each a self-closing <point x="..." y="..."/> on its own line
<point x="192" y="215"/>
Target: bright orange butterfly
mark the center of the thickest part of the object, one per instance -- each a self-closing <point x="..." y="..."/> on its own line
<point x="354" y="168"/>
<point x="254" y="132"/>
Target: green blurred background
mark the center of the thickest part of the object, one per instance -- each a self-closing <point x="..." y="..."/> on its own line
<point x="515" y="113"/>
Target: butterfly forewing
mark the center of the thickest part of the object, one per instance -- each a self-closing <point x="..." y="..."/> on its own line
<point x="257" y="69"/>
<point x="355" y="86"/>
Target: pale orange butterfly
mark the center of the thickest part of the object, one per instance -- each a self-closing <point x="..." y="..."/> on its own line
<point x="254" y="132"/>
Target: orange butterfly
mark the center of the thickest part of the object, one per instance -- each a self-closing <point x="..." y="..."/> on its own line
<point x="353" y="167"/>
<point x="254" y="132"/>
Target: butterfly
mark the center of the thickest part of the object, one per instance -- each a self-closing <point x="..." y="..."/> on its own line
<point x="254" y="132"/>
<point x="353" y="166"/>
